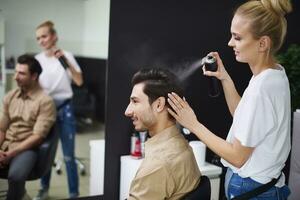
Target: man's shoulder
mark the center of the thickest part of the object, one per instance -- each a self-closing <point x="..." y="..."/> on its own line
<point x="9" y="95"/>
<point x="39" y="55"/>
<point x="13" y="91"/>
<point x="170" y="150"/>
<point x="44" y="95"/>
<point x="153" y="165"/>
<point x="178" y="150"/>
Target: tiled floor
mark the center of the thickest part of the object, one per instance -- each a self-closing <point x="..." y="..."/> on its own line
<point x="59" y="187"/>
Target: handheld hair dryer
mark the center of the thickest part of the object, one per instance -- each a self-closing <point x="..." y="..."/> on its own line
<point x="63" y="62"/>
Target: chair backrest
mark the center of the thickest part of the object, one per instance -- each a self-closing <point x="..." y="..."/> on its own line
<point x="202" y="191"/>
<point x="46" y="154"/>
<point x="84" y="102"/>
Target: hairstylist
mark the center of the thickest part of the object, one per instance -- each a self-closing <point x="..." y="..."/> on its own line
<point x="59" y="70"/>
<point x="258" y="142"/>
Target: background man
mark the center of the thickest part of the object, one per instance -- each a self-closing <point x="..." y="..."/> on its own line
<point x="27" y="116"/>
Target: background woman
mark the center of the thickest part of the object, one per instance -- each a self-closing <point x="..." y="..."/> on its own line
<point x="60" y="69"/>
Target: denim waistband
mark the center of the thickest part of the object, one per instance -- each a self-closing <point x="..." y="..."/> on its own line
<point x="236" y="185"/>
<point x="61" y="103"/>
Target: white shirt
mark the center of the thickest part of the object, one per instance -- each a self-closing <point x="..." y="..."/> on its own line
<point x="262" y="120"/>
<point x="55" y="80"/>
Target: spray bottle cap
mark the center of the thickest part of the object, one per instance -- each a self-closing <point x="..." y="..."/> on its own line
<point x="210" y="59"/>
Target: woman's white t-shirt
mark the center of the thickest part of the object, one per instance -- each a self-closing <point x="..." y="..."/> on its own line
<point x="262" y="120"/>
<point x="54" y="79"/>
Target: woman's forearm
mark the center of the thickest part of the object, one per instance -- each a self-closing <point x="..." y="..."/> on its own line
<point x="231" y="95"/>
<point x="234" y="153"/>
<point x="76" y="76"/>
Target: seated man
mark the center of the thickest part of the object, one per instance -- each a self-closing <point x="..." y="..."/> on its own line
<point x="27" y="116"/>
<point x="169" y="170"/>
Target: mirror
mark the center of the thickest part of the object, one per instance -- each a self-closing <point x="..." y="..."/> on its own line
<point x="82" y="27"/>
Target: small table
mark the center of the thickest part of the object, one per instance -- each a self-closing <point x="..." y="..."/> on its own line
<point x="129" y="167"/>
<point x="97" y="167"/>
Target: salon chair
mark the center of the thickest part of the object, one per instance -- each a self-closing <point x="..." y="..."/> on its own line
<point x="45" y="158"/>
<point x="84" y="103"/>
<point x="46" y="155"/>
<point x="202" y="191"/>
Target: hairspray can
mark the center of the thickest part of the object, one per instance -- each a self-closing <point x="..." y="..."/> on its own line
<point x="210" y="63"/>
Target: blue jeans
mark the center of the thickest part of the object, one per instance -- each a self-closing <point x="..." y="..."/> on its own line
<point x="67" y="127"/>
<point x="236" y="185"/>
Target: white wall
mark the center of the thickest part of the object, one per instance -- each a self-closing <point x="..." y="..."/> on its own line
<point x="96" y="28"/>
<point x="82" y="25"/>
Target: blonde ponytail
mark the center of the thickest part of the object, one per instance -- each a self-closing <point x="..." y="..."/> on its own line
<point x="280" y="7"/>
<point x="48" y="24"/>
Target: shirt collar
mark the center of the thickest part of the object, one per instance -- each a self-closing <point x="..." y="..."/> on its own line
<point x="31" y="94"/>
<point x="154" y="143"/>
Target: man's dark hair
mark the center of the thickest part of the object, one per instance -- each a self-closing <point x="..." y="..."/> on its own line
<point x="158" y="83"/>
<point x="33" y="65"/>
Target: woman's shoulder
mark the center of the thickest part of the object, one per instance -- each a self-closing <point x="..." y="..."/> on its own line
<point x="40" y="56"/>
<point x="68" y="53"/>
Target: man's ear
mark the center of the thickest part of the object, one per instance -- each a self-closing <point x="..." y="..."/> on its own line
<point x="264" y="43"/>
<point x="160" y="104"/>
<point x="34" y="76"/>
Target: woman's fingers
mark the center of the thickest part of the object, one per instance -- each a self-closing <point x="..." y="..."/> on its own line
<point x="219" y="60"/>
<point x="209" y="73"/>
<point x="177" y="100"/>
<point x="172" y="113"/>
<point x="173" y="105"/>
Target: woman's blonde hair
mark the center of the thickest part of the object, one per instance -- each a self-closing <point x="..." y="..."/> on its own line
<point x="267" y="18"/>
<point x="48" y="24"/>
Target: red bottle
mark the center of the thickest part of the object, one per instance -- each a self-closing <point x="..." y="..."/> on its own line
<point x="136" y="147"/>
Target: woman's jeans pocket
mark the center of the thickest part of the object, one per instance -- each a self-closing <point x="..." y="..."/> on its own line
<point x="235" y="186"/>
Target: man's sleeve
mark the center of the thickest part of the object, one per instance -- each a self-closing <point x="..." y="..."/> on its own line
<point x="156" y="184"/>
<point x="4" y="119"/>
<point x="46" y="118"/>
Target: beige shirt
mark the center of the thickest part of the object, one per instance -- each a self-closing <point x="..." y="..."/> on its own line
<point x="24" y="115"/>
<point x="169" y="170"/>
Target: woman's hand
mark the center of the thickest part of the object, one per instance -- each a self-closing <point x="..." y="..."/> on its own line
<point x="58" y="52"/>
<point x="221" y="73"/>
<point x="2" y="155"/>
<point x="182" y="112"/>
<point x="7" y="156"/>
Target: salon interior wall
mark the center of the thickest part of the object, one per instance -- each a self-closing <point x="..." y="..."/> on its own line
<point x="82" y="25"/>
<point x="169" y="34"/>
